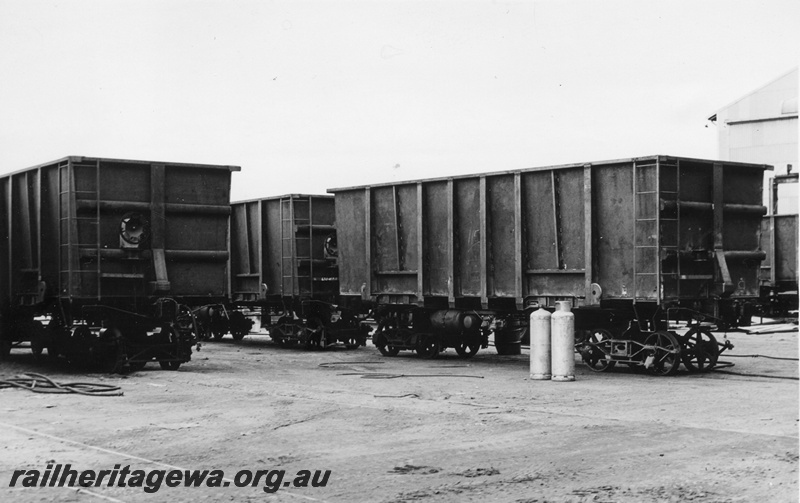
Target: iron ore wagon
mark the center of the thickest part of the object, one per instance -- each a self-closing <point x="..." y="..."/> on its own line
<point x="631" y="243"/>
<point x="284" y="270"/>
<point x="102" y="259"/>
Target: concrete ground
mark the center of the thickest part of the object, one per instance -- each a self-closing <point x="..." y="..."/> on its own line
<point x="407" y="429"/>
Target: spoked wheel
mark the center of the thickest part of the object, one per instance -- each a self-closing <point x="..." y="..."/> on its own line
<point x="665" y="357"/>
<point x="239" y="325"/>
<point x="594" y="356"/>
<point x="388" y="350"/>
<point x="313" y="344"/>
<point x="285" y="333"/>
<point x="317" y="337"/>
<point x="137" y="365"/>
<point x="700" y="350"/>
<point x="33" y="331"/>
<point x="169" y="364"/>
<point x="55" y="334"/>
<point x="110" y="351"/>
<point x="287" y="342"/>
<point x="5" y="347"/>
<point x="467" y="350"/>
<point x="352" y="343"/>
<point x="427" y="346"/>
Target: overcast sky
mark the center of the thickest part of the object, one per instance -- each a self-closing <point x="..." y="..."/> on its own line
<point x="311" y="95"/>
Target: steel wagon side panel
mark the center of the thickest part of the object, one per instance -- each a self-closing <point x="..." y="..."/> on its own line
<point x="438" y="274"/>
<point x="245" y="262"/>
<point x="468" y="219"/>
<point x="612" y="201"/>
<point x="551" y="232"/>
<point x="786" y="249"/>
<point x="352" y="230"/>
<point x="5" y="255"/>
<point x="29" y="233"/>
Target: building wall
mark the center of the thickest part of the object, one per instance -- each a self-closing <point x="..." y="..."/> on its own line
<point x="762" y="127"/>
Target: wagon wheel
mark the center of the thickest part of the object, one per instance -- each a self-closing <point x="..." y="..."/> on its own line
<point x="700" y="351"/>
<point x="352" y="343"/>
<point x="596" y="358"/>
<point x="5" y="348"/>
<point x="169" y="364"/>
<point x="56" y="332"/>
<point x="316" y="337"/>
<point x="427" y="346"/>
<point x="313" y="343"/>
<point x="37" y="345"/>
<point x="238" y="326"/>
<point x="33" y="331"/>
<point x="467" y="350"/>
<point x="665" y="357"/>
<point x="285" y="333"/>
<point x="218" y="334"/>
<point x="388" y="350"/>
<point x="110" y="354"/>
<point x="137" y="365"/>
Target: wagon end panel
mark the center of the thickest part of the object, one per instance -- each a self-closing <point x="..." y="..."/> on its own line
<point x="307" y="246"/>
<point x="786" y="250"/>
<point x="133" y="229"/>
<point x="198" y="207"/>
<point x="323" y="254"/>
<point x="304" y="235"/>
<point x="718" y="215"/>
<point x="740" y="239"/>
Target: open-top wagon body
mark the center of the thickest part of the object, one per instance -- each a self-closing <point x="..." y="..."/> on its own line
<point x="284" y="269"/>
<point x="446" y="262"/>
<point x="103" y="259"/>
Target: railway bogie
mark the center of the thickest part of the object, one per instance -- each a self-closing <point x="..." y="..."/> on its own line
<point x="429" y="332"/>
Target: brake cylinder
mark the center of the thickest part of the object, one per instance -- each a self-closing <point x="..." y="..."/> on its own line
<point x="455" y="321"/>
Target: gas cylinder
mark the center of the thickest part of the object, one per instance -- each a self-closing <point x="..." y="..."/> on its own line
<point x="540" y="344"/>
<point x="562" y="324"/>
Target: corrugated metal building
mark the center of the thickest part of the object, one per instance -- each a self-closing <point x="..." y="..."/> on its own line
<point x="761" y="127"/>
